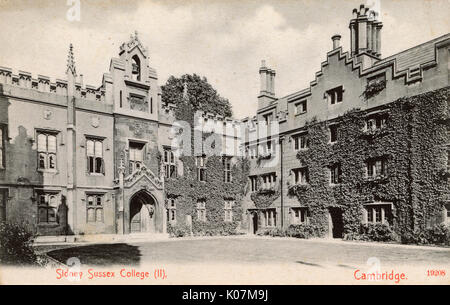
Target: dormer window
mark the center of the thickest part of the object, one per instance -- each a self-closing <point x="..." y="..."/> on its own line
<point x="335" y="95"/>
<point x="135" y="68"/>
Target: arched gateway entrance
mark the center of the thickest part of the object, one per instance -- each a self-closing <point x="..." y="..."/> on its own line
<point x="143" y="213"/>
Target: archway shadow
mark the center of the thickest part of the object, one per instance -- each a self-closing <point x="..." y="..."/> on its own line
<point x="100" y="254"/>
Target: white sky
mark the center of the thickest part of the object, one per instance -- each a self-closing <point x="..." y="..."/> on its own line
<point x="222" y="40"/>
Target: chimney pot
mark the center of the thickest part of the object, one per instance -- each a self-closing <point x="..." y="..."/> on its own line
<point x="336" y="41"/>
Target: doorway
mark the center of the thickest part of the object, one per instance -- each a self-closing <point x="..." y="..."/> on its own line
<point x="142" y="213"/>
<point x="255" y="222"/>
<point x="336" y="224"/>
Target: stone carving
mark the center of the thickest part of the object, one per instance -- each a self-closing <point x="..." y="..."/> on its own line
<point x="139" y="103"/>
<point x="95" y="121"/>
<point x="134" y="41"/>
<point x="139" y="128"/>
<point x="143" y="171"/>
<point x="48" y="114"/>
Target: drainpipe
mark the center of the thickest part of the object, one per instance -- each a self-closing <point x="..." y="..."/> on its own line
<point x="281" y="181"/>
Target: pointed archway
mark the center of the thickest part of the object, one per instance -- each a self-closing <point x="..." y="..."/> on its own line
<point x="143" y="213"/>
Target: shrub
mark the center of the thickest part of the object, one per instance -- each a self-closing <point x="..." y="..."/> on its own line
<point x="377" y="232"/>
<point x="437" y="235"/>
<point x="16" y="245"/>
<point x="304" y="231"/>
<point x="178" y="230"/>
<point x="373" y="232"/>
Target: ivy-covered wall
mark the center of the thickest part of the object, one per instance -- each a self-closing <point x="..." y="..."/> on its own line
<point x="187" y="190"/>
<point x="413" y="142"/>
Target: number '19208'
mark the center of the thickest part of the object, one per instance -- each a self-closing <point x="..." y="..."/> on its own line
<point x="435" y="272"/>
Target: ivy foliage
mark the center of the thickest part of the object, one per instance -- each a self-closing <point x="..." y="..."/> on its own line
<point x="413" y="144"/>
<point x="186" y="189"/>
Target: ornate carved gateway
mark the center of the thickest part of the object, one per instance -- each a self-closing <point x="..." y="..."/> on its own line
<point x="140" y="202"/>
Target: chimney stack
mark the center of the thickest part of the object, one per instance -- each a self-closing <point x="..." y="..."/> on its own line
<point x="336" y="41"/>
<point x="267" y="77"/>
<point x="267" y="80"/>
<point x="365" y="32"/>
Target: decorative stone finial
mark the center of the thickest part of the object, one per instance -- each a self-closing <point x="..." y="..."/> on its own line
<point x="71" y="62"/>
<point x="134" y="41"/>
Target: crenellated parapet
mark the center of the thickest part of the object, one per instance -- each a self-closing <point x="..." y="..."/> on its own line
<point x="41" y="83"/>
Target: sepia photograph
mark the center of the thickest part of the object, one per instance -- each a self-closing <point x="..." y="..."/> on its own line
<point x="204" y="143"/>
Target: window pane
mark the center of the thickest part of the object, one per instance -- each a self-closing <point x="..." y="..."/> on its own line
<point x="90" y="147"/>
<point x="53" y="201"/>
<point x="42" y="160"/>
<point x="91" y="215"/>
<point x="98" y="165"/>
<point x="51" y="215"/>
<point x="42" y="214"/>
<point x="51" y="143"/>
<point x="99" y="215"/>
<point x="42" y="142"/>
<point x="99" y="200"/>
<point x="42" y="200"/>
<point x="98" y="149"/>
<point x="90" y="200"/>
<point x="138" y="154"/>
<point x="52" y="161"/>
<point x="91" y="164"/>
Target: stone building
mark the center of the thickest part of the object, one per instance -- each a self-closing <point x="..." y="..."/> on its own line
<point x="79" y="159"/>
<point x="361" y="80"/>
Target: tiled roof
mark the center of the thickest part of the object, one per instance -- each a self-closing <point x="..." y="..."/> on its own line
<point x="413" y="57"/>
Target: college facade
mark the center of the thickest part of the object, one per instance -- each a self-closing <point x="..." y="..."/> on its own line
<point x="366" y="142"/>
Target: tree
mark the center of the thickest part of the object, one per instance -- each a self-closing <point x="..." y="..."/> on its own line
<point x="201" y="95"/>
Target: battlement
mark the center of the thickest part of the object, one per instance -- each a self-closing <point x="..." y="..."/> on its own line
<point x="44" y="84"/>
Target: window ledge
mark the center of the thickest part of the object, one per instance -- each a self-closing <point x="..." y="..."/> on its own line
<point x="95" y="174"/>
<point x="49" y="224"/>
<point x="300" y="113"/>
<point x="48" y="171"/>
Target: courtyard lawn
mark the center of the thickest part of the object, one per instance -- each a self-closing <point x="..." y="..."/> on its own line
<point x="250" y="250"/>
